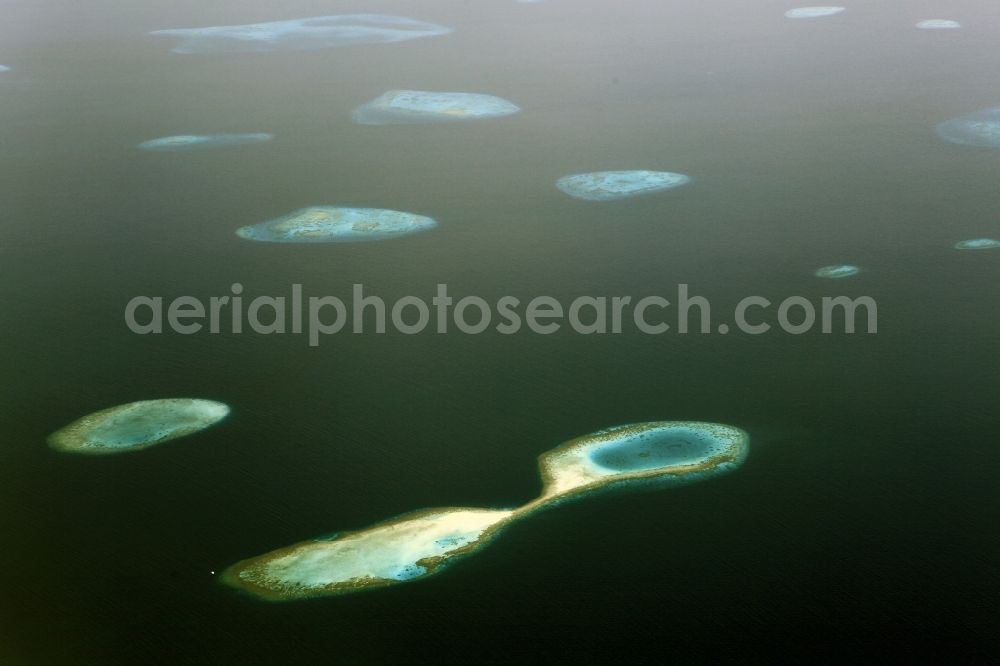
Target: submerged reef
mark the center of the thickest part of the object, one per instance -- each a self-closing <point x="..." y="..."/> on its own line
<point x="400" y="107"/>
<point x="329" y="224"/>
<point x="419" y="544"/>
<point x="837" y="271"/>
<point x="137" y="425"/>
<point x="306" y="34"/>
<point x="939" y="24"/>
<point x="182" y="142"/>
<point x="4" y="68"/>
<point x="978" y="244"/>
<point x="981" y="128"/>
<point x="610" y="185"/>
<point x="813" y="12"/>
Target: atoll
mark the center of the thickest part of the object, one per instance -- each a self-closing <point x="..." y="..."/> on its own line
<point x="422" y="543"/>
<point x="400" y="107"/>
<point x="137" y="425"/>
<point x="659" y="453"/>
<point x="330" y="224"/>
<point x="306" y="34"/>
<point x="183" y="142"/>
<point x="611" y="185"/>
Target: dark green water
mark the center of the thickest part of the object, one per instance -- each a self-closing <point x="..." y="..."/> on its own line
<point x="865" y="521"/>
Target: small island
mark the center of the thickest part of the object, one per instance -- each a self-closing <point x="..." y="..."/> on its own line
<point x="837" y="272"/>
<point x="422" y="543"/>
<point x="330" y="224"/>
<point x="319" y="32"/>
<point x="980" y="129"/>
<point x="939" y="24"/>
<point x="611" y="185"/>
<point x="137" y="425"/>
<point x="812" y="12"/>
<point x="405" y="548"/>
<point x="185" y="142"/>
<point x="978" y="244"/>
<point x="402" y="107"/>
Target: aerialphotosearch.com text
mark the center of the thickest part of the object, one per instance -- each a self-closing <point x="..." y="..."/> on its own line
<point x="320" y="316"/>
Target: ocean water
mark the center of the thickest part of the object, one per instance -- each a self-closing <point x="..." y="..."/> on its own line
<point x="865" y="521"/>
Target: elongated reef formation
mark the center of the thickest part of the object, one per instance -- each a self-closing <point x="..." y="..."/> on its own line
<point x="185" y="142"/>
<point x="332" y="224"/>
<point x="422" y="543"/>
<point x="978" y="244"/>
<point x="137" y="425"/>
<point x="402" y="107"/>
<point x="837" y="271"/>
<point x="305" y="34"/>
<point x="813" y="12"/>
<point x="611" y="185"/>
<point x="981" y="129"/>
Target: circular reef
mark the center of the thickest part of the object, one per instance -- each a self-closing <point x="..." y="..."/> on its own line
<point x="663" y="453"/>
